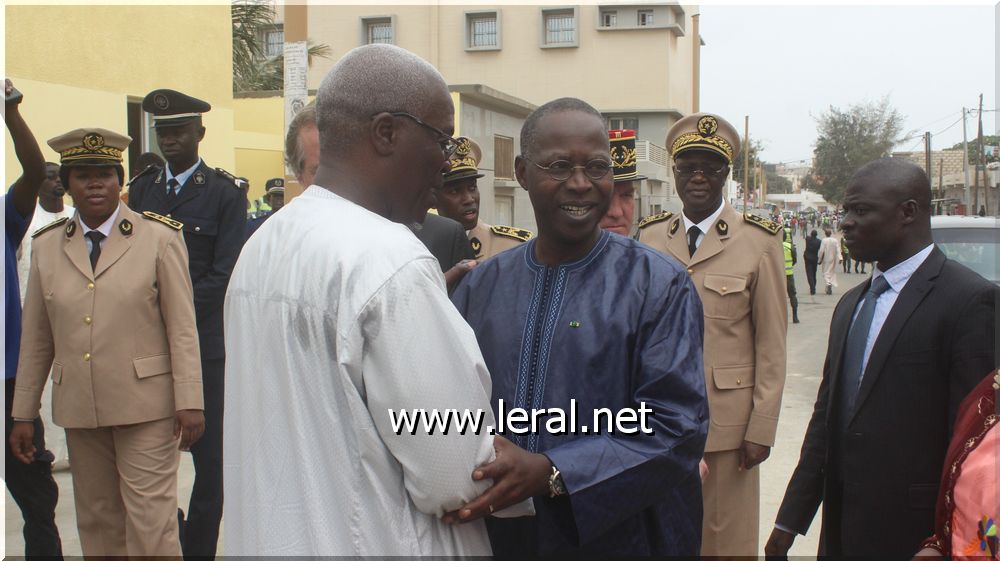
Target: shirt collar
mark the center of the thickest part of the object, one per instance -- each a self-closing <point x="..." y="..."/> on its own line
<point x="106" y="227"/>
<point x="184" y="175"/>
<point x="706" y="224"/>
<point x="898" y="275"/>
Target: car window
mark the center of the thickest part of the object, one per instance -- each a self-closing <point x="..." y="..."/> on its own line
<point x="976" y="248"/>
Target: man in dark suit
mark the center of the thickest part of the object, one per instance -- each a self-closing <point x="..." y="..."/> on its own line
<point x="904" y="349"/>
<point x="811" y="258"/>
<point x="446" y="241"/>
<point x="212" y="209"/>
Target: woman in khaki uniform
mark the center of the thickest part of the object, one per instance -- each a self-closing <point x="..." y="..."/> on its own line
<point x="110" y="309"/>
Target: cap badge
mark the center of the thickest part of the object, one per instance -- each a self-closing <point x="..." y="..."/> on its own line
<point x="707" y="125"/>
<point x="125" y="227"/>
<point x="161" y="101"/>
<point x="464" y="147"/>
<point x="93" y="141"/>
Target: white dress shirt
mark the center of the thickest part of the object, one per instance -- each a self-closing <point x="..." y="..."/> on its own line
<point x="705" y="225"/>
<point x="103" y="228"/>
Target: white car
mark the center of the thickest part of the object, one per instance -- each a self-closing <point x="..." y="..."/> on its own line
<point x="973" y="241"/>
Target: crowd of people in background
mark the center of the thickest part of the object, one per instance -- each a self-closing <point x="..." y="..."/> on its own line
<point x="170" y="314"/>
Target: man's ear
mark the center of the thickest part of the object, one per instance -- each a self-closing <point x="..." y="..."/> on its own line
<point x="520" y="171"/>
<point x="909" y="210"/>
<point x="383" y="134"/>
<point x="201" y="134"/>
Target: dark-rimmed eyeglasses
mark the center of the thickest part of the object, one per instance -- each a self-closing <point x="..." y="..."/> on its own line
<point x="561" y="170"/>
<point x="706" y="171"/>
<point x="447" y="143"/>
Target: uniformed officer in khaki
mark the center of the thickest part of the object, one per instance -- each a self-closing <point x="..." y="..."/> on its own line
<point x="458" y="199"/>
<point x="737" y="264"/>
<point x="110" y="309"/>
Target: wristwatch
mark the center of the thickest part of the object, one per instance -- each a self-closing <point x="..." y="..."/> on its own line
<point x="556" y="486"/>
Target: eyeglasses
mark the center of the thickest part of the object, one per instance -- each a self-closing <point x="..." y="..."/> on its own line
<point x="707" y="172"/>
<point x="447" y="143"/>
<point x="561" y="170"/>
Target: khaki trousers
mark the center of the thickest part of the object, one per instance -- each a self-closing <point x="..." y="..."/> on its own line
<point x="730" y="525"/>
<point x="125" y="489"/>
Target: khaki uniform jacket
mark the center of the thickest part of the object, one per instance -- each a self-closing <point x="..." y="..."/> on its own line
<point x="121" y="341"/>
<point x="488" y="241"/>
<point x="739" y="272"/>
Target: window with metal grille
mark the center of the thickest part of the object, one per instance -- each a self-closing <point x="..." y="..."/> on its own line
<point x="503" y="157"/>
<point x="609" y="19"/>
<point x="274" y="43"/>
<point x="560" y="28"/>
<point x="645" y="17"/>
<point x="380" y="32"/>
<point x="483" y="31"/>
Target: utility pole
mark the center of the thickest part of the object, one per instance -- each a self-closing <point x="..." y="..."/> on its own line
<point x="927" y="152"/>
<point x="746" y="161"/>
<point x="979" y="155"/>
<point x="965" y="159"/>
<point x="940" y="184"/>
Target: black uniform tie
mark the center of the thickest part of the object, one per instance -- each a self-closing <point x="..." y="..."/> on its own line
<point x="172" y="186"/>
<point x="693" y="233"/>
<point x="95" y="238"/>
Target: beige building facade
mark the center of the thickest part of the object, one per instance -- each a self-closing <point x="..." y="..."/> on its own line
<point x="637" y="63"/>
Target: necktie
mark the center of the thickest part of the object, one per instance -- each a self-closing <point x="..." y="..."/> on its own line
<point x="693" y="233"/>
<point x="172" y="187"/>
<point x="857" y="339"/>
<point x="95" y="238"/>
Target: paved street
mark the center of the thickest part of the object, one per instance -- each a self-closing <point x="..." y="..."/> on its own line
<point x="806" y="349"/>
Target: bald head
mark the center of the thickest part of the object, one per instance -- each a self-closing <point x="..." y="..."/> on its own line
<point x="368" y="80"/>
<point x="897" y="178"/>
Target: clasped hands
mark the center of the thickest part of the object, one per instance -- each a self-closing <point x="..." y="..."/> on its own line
<point x="517" y="475"/>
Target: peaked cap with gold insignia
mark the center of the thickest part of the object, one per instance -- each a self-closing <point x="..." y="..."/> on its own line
<point x="704" y="131"/>
<point x="90" y="147"/>
<point x="465" y="161"/>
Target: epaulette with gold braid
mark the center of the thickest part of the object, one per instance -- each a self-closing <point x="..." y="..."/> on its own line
<point x="516" y="233"/>
<point x="49" y="226"/>
<point x="163" y="220"/>
<point x="769" y="225"/>
<point x="653" y="219"/>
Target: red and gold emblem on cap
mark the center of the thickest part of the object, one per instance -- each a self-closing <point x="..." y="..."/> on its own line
<point x="93" y="141"/>
<point x="707" y="125"/>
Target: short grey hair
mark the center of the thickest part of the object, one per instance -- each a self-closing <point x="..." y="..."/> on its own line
<point x="293" y="152"/>
<point x="529" y="130"/>
<point x="369" y="80"/>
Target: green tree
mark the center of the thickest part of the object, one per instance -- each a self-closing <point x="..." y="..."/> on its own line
<point x="849" y="138"/>
<point x="252" y="70"/>
<point x="988" y="140"/>
<point x="777" y="184"/>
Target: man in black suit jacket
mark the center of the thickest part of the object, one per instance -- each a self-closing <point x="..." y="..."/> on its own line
<point x="875" y="445"/>
<point x="446" y="241"/>
<point x="811" y="257"/>
<point x="213" y="210"/>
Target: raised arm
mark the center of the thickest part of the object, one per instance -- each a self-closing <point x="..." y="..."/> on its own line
<point x="24" y="193"/>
